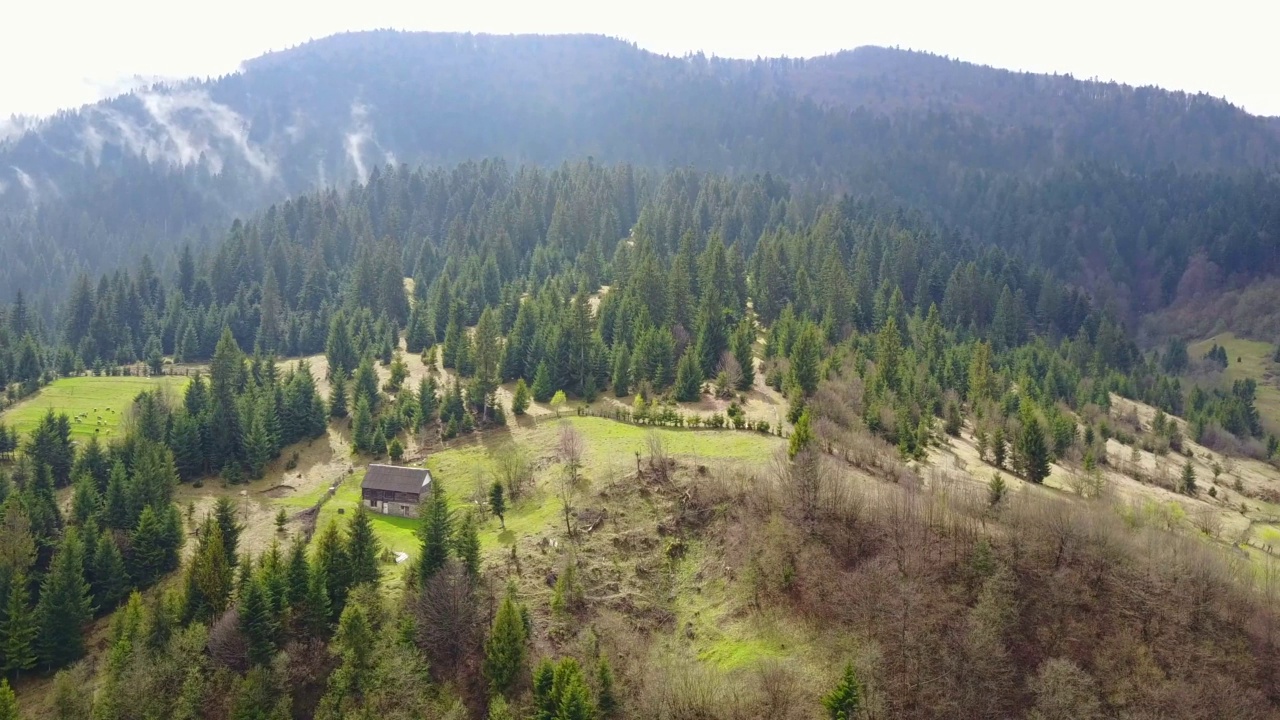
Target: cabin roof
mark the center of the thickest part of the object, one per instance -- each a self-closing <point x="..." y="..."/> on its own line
<point x="395" y="478"/>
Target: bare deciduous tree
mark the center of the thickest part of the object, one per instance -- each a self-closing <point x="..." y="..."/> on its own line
<point x="447" y="617"/>
<point x="728" y="375"/>
<point x="570" y="450"/>
<point x="511" y="466"/>
<point x="659" y="455"/>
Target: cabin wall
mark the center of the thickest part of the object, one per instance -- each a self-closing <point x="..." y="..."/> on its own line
<point x="391" y="503"/>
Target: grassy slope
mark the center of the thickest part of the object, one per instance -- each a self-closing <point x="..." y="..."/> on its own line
<point x="466" y="470"/>
<point x="1248" y="359"/>
<point x="96" y="405"/>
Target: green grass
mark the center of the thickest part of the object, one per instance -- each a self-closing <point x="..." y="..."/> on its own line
<point x="96" y="405"/>
<point x="1248" y="359"/>
<point x="467" y="470"/>
<point x="725" y="635"/>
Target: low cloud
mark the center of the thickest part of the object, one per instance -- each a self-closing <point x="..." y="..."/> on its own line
<point x="178" y="126"/>
<point x="355" y="139"/>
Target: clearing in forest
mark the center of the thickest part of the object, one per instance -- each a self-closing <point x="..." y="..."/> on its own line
<point x="468" y="466"/>
<point x="1248" y="359"/>
<point x="95" y="405"/>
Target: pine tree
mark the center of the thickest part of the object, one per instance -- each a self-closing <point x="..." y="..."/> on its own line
<point x="18" y="629"/>
<point x="520" y="398"/>
<point x="844" y="701"/>
<point x="362" y="549"/>
<point x="498" y="502"/>
<point x="65" y="606"/>
<point x="395" y="450"/>
<point x="506" y="649"/>
<point x="688" y="386"/>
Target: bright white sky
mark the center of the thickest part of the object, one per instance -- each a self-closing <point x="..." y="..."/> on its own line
<point x="62" y="53"/>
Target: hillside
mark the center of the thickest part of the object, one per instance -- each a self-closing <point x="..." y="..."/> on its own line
<point x="144" y="172"/>
<point x="877" y="385"/>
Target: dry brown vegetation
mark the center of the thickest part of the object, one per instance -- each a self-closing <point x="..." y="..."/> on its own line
<point x="948" y="608"/>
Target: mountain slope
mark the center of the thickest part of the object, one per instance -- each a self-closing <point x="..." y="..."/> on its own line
<point x="142" y="172"/>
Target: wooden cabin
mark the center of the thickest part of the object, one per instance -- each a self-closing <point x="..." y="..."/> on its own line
<point x="395" y="490"/>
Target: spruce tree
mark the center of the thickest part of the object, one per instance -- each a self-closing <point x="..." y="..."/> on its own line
<point x="147" y="548"/>
<point x="506" y="649"/>
<point x="257" y="624"/>
<point x="339" y="351"/>
<point x="333" y="568"/>
<point x="1187" y="482"/>
<point x="1032" y="451"/>
<point x="85" y="501"/>
<point x="845" y="699"/>
<point x="18" y="629"/>
<point x="363" y="549"/>
<point x="606" y="699"/>
<point x="338" y="397"/>
<point x="688" y="386"/>
<point x="65" y="606"/>
<point x="520" y="398"/>
<point x="110" y="584"/>
<point x="428" y="401"/>
<point x="224" y="513"/>
<point x="8" y="701"/>
<point x="621" y="371"/>
<point x="806" y="359"/>
<point x="466" y="545"/>
<point x="225" y="424"/>
<point x="801" y="435"/>
<point x="362" y="429"/>
<point x="366" y="385"/>
<point x="498" y="502"/>
<point x="209" y="576"/>
<point x="744" y="337"/>
<point x="435" y="533"/>
<point x="542" y="387"/>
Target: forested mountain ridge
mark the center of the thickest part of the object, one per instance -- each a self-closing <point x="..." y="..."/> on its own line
<point x="92" y="188"/>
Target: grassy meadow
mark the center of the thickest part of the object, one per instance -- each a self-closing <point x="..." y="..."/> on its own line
<point x="95" y="405"/>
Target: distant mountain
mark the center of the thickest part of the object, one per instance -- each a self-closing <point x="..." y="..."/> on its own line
<point x="88" y="189"/>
